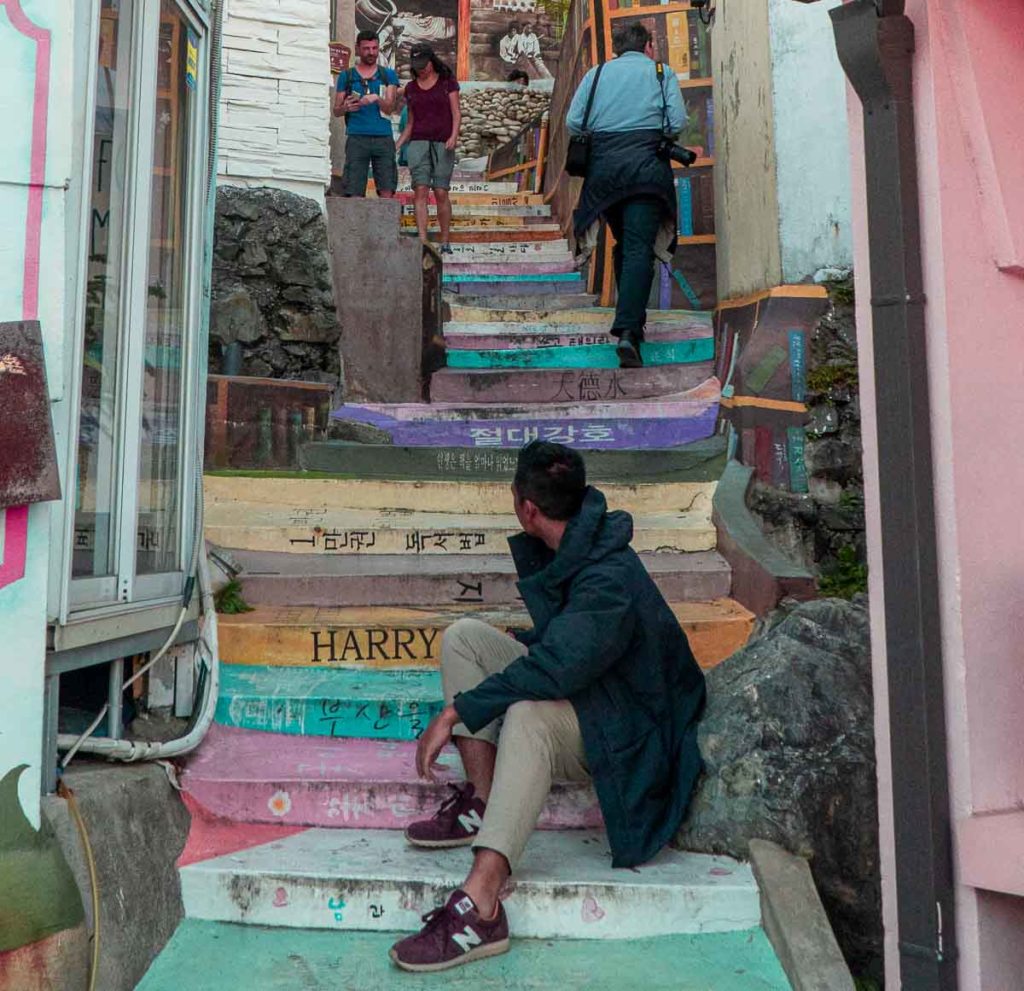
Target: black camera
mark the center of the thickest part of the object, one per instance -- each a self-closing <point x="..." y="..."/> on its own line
<point x="671" y="152"/>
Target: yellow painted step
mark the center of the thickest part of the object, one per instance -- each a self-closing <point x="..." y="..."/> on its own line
<point x="317" y="495"/>
<point x="298" y="530"/>
<point x="299" y="636"/>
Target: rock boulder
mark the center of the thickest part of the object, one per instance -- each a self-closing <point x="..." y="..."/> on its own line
<point x="788" y="744"/>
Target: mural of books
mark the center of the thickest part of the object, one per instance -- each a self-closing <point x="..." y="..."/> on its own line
<point x="695" y="202"/>
<point x="510" y="35"/>
<point x="400" y="24"/>
<point x="681" y="39"/>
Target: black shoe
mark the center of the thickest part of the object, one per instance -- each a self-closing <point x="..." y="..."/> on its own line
<point x="628" y="351"/>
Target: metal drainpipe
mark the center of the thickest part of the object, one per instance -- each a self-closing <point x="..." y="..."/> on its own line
<point x="875" y="43"/>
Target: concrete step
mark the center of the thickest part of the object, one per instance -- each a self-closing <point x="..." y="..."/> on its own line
<point x="481" y="210"/>
<point x="494" y="234"/>
<point x="249" y="776"/>
<point x="588" y="314"/>
<point x="700" y="461"/>
<point x="204" y="956"/>
<point x="514" y="268"/>
<point x="565" y="385"/>
<point x="393" y="638"/>
<point x="343" y="702"/>
<point x="524" y="224"/>
<point x="581" y="355"/>
<point x="507" y="251"/>
<point x="480" y="199"/>
<point x="565" y="887"/>
<point x="500" y="335"/>
<point x="521" y="300"/>
<point x="285" y="528"/>
<point x="561" y="284"/>
<point x="587" y="426"/>
<point x="276" y="579"/>
<point x="312" y="497"/>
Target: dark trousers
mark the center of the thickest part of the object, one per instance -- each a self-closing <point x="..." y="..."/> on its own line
<point x="634" y="223"/>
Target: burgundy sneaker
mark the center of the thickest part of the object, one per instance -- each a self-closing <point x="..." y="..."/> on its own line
<point x="453" y="934"/>
<point x="456" y="823"/>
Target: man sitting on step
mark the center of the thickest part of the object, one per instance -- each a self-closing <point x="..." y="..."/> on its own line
<point x="603" y="688"/>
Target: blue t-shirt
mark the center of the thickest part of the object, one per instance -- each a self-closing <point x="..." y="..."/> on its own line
<point x="368" y="119"/>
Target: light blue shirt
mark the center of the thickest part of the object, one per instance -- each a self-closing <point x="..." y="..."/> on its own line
<point x="628" y="98"/>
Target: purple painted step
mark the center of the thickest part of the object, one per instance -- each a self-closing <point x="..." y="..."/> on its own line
<point x="633" y="433"/>
<point x="513" y="285"/>
<point x="251" y="776"/>
<point x="565" y="385"/>
<point x="278" y="579"/>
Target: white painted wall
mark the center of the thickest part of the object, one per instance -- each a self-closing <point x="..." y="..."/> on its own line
<point x="23" y="102"/>
<point x="812" y="150"/>
<point x="746" y="204"/>
<point x="275" y="96"/>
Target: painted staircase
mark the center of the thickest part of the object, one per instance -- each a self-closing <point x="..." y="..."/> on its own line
<point x="354" y="570"/>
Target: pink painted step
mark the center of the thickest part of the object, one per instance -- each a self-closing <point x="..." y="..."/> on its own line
<point x="255" y="777"/>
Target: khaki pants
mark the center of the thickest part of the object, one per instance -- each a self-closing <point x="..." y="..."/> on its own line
<point x="538" y="742"/>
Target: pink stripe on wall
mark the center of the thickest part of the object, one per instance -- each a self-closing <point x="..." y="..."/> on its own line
<point x="12" y="568"/>
<point x="37" y="160"/>
<point x="16" y="517"/>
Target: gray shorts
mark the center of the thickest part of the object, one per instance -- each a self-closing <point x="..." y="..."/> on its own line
<point x="431" y="164"/>
<point x="362" y="151"/>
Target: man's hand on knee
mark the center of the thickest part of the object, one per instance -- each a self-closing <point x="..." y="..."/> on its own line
<point x="435" y="737"/>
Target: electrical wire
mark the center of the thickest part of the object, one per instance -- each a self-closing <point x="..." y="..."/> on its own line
<point x="94" y="884"/>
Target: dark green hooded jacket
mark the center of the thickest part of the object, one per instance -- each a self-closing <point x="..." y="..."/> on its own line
<point x="606" y="640"/>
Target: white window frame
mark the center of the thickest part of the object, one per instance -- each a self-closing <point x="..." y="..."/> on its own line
<point x="74" y="602"/>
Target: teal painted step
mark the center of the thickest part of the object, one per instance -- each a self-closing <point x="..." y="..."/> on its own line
<point x="513" y="276"/>
<point x="214" y="956"/>
<point x="373" y="705"/>
<point x="582" y="355"/>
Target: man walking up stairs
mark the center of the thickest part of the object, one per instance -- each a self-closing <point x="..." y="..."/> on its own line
<point x="297" y="873"/>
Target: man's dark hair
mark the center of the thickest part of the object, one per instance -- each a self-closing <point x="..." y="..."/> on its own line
<point x="366" y="36"/>
<point x="518" y="76"/>
<point x="553" y="477"/>
<point x="512" y="26"/>
<point x="630" y="38"/>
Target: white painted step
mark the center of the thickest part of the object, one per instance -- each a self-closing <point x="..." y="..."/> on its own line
<point x="518" y="251"/>
<point x="564" y="887"/>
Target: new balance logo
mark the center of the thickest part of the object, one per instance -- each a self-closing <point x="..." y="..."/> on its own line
<point x="467" y="939"/>
<point x="470" y="821"/>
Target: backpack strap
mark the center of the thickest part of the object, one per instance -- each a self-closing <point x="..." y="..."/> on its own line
<point x="590" y="96"/>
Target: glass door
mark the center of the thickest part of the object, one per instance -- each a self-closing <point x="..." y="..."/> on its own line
<point x="139" y="314"/>
<point x="98" y="482"/>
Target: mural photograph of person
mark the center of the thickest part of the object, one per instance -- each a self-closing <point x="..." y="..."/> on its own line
<point x="402" y="24"/>
<point x="512" y="35"/>
<point x="508" y="46"/>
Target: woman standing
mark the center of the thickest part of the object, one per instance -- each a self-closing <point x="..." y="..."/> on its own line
<point x="432" y="132"/>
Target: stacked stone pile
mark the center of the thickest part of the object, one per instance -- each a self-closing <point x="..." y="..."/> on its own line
<point x="490" y="117"/>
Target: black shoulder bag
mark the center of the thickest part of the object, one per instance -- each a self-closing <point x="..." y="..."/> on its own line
<point x="577" y="156"/>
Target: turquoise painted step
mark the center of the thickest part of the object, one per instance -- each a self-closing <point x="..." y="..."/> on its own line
<point x="513" y="276"/>
<point x="372" y="705"/>
<point x="582" y="356"/>
<point x="213" y="956"/>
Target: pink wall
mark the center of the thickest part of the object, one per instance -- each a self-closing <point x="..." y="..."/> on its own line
<point x="971" y="162"/>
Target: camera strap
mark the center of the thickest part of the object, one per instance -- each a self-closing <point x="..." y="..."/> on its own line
<point x="590" y="97"/>
<point x="660" y="70"/>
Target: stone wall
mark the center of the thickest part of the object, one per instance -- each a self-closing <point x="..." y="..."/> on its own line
<point x="272" y="290"/>
<point x="275" y="102"/>
<point x="492" y="116"/>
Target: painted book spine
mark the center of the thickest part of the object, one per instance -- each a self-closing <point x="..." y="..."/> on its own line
<point x="684" y="193"/>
